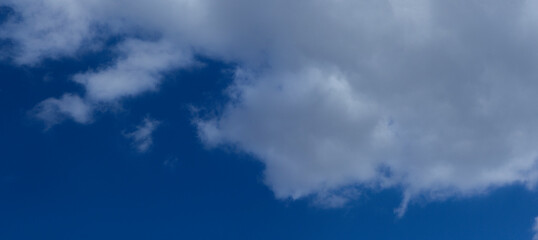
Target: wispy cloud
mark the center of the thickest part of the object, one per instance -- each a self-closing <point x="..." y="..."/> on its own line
<point x="142" y="136"/>
<point x="137" y="70"/>
<point x="171" y="162"/>
<point x="53" y="111"/>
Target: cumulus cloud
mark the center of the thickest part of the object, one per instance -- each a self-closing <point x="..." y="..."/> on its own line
<point x="142" y="136"/>
<point x="434" y="97"/>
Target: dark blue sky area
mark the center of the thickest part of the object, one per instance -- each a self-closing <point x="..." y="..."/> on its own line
<point x="88" y="182"/>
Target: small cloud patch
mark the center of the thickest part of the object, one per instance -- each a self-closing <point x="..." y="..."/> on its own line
<point x="171" y="162"/>
<point x="142" y="136"/>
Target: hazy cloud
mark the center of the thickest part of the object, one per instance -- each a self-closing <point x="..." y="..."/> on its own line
<point x="142" y="136"/>
<point x="53" y="111"/>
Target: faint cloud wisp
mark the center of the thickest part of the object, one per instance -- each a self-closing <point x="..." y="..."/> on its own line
<point x="142" y="137"/>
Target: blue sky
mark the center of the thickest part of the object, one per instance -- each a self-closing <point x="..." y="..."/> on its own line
<point x="88" y="182"/>
<point x="207" y="120"/>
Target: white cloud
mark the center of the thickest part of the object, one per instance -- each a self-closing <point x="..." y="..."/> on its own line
<point x="138" y="70"/>
<point x="434" y="97"/>
<point x="53" y="111"/>
<point x="47" y="29"/>
<point x="142" y="136"/>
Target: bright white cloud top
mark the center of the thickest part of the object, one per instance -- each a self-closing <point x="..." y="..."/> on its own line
<point x="435" y="97"/>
